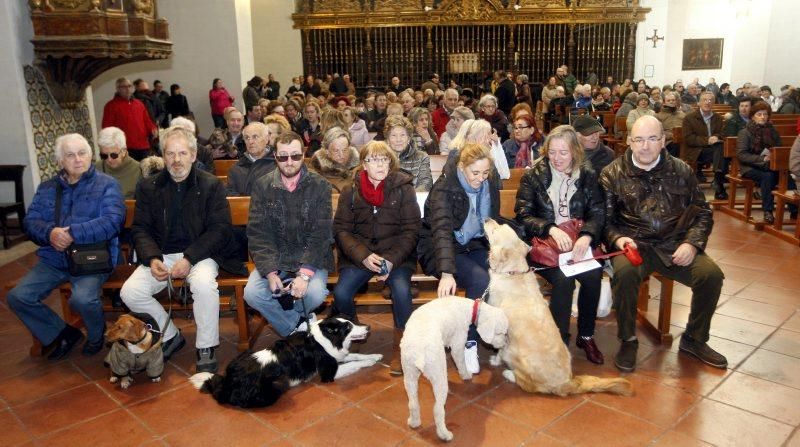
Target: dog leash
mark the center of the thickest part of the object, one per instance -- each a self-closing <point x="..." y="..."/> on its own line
<point x="628" y="250"/>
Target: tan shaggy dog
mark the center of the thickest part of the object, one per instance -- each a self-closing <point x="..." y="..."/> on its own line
<point x="537" y="359"/>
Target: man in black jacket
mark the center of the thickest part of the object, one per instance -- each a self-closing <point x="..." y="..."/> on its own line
<point x="253" y="164"/>
<point x="506" y="93"/>
<point x="654" y="204"/>
<point x="289" y="234"/>
<point x="182" y="230"/>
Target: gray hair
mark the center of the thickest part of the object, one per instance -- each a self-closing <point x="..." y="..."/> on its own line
<point x="185" y="123"/>
<point x="464" y="112"/>
<point x="177" y="131"/>
<point x="333" y="134"/>
<point x="487" y="98"/>
<point x="451" y="92"/>
<point x="111" y="137"/>
<point x="523" y="77"/>
<point x="259" y="127"/>
<point x="64" y="139"/>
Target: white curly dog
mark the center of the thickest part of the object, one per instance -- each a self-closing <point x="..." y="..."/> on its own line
<point x="442" y="323"/>
<point x="537" y="359"/>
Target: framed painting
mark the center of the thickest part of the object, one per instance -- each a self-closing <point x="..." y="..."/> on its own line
<point x="702" y="54"/>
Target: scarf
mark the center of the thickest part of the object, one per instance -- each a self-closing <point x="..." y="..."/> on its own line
<point x="562" y="188"/>
<point x="762" y="136"/>
<point x="523" y="159"/>
<point x="371" y="194"/>
<point x="479" y="209"/>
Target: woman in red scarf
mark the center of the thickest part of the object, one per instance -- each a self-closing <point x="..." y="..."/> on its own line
<point x="376" y="226"/>
<point x="523" y="148"/>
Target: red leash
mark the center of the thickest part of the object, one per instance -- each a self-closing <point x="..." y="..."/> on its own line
<point x="475" y="304"/>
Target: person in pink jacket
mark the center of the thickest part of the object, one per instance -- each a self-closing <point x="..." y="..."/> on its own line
<point x="219" y="98"/>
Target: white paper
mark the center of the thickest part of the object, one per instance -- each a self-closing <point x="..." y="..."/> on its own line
<point x="579" y="267"/>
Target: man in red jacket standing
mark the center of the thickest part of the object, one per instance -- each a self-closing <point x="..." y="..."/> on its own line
<point x="130" y="115"/>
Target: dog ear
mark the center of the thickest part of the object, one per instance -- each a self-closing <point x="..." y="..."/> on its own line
<point x="492" y="321"/>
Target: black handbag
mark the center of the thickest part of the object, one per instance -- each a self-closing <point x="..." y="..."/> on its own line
<point x="84" y="259"/>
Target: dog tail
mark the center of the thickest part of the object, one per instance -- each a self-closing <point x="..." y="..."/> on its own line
<point x="592" y="384"/>
<point x="203" y="381"/>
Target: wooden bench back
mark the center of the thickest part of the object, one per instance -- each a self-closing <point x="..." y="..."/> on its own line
<point x="221" y="167"/>
<point x="437" y="165"/>
<point x="779" y="162"/>
<point x="513" y="182"/>
<point x="508" y="198"/>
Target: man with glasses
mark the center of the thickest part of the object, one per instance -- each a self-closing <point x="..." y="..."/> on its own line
<point x="653" y="203"/>
<point x="289" y="233"/>
<point x="115" y="162"/>
<point x="703" y="140"/>
<point x="131" y="116"/>
<point x="257" y="161"/>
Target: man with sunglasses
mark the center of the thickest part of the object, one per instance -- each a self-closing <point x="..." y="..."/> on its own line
<point x="115" y="162"/>
<point x="290" y="239"/>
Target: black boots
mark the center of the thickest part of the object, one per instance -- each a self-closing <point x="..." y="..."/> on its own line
<point x="719" y="186"/>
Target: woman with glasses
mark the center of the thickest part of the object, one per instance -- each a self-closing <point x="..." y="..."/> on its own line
<point x="559" y="187"/>
<point x="398" y="131"/>
<point x="336" y="160"/>
<point x="523" y="149"/>
<point x="453" y="246"/>
<point x="115" y="162"/>
<point x="491" y="113"/>
<point x="376" y="225"/>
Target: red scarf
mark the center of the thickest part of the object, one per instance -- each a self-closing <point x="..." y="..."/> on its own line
<point x="371" y="194"/>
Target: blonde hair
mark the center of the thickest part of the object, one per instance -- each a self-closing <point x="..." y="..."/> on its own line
<point x="332" y="118"/>
<point x="567" y="134"/>
<point x="281" y="121"/>
<point x="393" y="121"/>
<point x="472" y="131"/>
<point x="380" y="149"/>
<point x="472" y="152"/>
<point x="333" y="134"/>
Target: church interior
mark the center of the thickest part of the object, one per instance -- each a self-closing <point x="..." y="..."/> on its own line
<point x="61" y="64"/>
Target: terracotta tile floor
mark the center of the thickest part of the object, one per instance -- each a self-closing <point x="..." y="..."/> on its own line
<point x="678" y="401"/>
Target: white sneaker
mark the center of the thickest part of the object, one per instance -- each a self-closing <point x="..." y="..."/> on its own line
<point x="471" y="357"/>
<point x="303" y="326"/>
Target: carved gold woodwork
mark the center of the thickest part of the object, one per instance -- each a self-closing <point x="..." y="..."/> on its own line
<point x="77" y="40"/>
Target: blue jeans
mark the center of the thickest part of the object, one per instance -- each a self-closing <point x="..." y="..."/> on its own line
<point x="473" y="275"/>
<point x="259" y="297"/>
<point x="26" y="301"/>
<point x="352" y="278"/>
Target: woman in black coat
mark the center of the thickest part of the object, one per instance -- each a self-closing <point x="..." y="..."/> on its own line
<point x="452" y="243"/>
<point x="559" y="187"/>
<point x="177" y="105"/>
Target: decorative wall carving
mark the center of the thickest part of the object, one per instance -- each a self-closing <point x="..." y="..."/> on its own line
<point x="76" y="40"/>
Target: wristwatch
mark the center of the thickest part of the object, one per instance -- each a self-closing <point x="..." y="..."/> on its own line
<point x="304" y="276"/>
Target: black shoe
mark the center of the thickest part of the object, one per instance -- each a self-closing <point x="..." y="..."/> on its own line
<point x="206" y="360"/>
<point x="703" y="352"/>
<point x="626" y="357"/>
<point x="173" y="345"/>
<point x="769" y="218"/>
<point x="60" y="347"/>
<point x="91" y="348"/>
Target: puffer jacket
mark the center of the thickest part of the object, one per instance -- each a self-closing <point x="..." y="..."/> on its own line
<point x="243" y="175"/>
<point x="338" y="175"/>
<point x="418" y="164"/>
<point x="663" y="207"/>
<point x="749" y="157"/>
<point x="359" y="135"/>
<point x="92" y="208"/>
<point x="389" y="230"/>
<point x="446" y="210"/>
<point x="536" y="212"/>
<point x="204" y="211"/>
<point x="288" y="230"/>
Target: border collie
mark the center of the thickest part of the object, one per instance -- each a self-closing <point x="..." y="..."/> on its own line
<point x="258" y="379"/>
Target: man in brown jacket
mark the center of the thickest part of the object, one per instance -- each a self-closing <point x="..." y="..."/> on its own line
<point x="671" y="116"/>
<point x="703" y="139"/>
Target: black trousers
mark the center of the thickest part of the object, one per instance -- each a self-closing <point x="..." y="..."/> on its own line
<point x="561" y="299"/>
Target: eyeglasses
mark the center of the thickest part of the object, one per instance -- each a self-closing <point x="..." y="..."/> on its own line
<point x="640" y="141"/>
<point x="113" y="155"/>
<point x="377" y="161"/>
<point x="285" y="158"/>
<point x="521" y="128"/>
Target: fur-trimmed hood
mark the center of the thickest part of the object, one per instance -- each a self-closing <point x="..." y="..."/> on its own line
<point x="151" y="165"/>
<point x="324" y="165"/>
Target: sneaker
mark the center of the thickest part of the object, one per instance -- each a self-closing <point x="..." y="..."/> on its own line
<point x="703" y="352"/>
<point x="626" y="357"/>
<point x="206" y="360"/>
<point x="471" y="357"/>
<point x="302" y="326"/>
<point x="64" y="342"/>
<point x="91" y="348"/>
<point x="173" y="345"/>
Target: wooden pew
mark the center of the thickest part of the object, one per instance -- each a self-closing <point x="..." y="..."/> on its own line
<point x="512" y="183"/>
<point x="221" y="167"/>
<point x="437" y="165"/>
<point x="779" y="162"/>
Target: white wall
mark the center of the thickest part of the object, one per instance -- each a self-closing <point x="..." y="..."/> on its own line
<point x="16" y="31"/>
<point x="277" y="48"/>
<point x="211" y="39"/>
<point x="758" y="40"/>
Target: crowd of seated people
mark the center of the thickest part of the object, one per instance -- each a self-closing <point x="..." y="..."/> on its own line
<point x="291" y="151"/>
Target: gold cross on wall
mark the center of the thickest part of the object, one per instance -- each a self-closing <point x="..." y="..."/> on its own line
<point x="655" y="37"/>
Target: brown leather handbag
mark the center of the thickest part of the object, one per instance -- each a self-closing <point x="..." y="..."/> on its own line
<point x="545" y="251"/>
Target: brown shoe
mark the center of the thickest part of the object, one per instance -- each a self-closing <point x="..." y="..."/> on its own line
<point x="592" y="351"/>
<point x="395" y="366"/>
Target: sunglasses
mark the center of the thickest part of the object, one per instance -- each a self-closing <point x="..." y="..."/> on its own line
<point x="285" y="158"/>
<point x="113" y="155"/>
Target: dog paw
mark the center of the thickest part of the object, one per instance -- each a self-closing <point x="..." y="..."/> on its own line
<point x="155" y="379"/>
<point x="444" y="434"/>
<point x="509" y="375"/>
<point x="113" y="379"/>
<point x="414" y="422"/>
<point x="125" y="382"/>
<point x="495" y="360"/>
<point x="466" y="376"/>
<point x="375" y="358"/>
